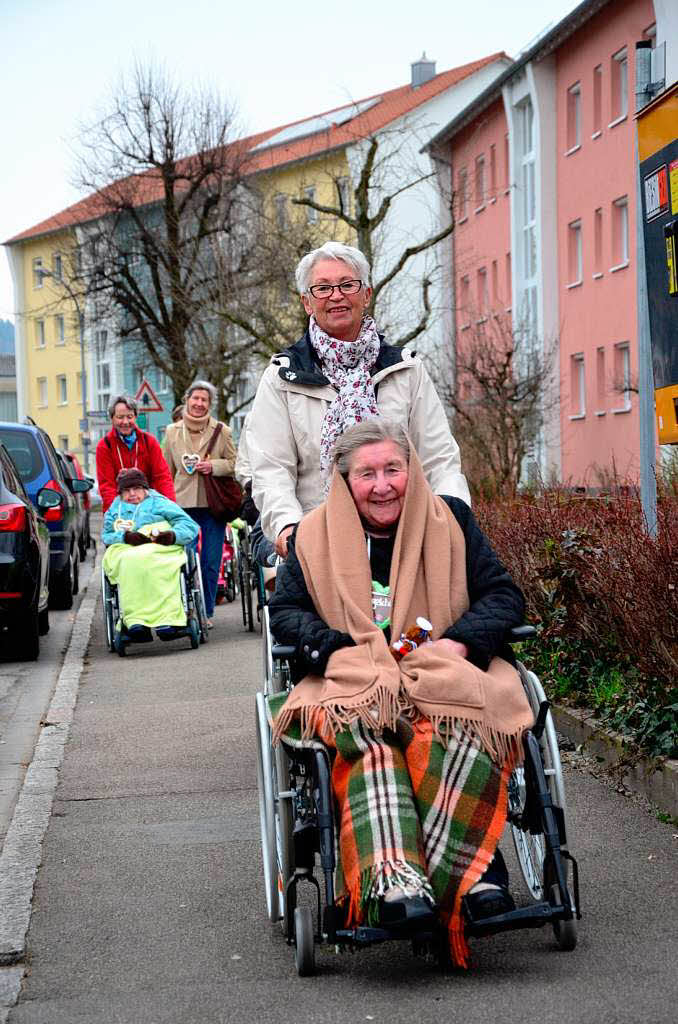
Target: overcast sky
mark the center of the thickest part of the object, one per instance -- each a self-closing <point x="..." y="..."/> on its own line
<point x="276" y="61"/>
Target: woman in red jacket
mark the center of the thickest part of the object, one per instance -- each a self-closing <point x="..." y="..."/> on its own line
<point x="126" y="446"/>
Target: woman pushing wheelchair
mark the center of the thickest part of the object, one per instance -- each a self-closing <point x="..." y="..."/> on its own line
<point x="145" y="535"/>
<point x="423" y="744"/>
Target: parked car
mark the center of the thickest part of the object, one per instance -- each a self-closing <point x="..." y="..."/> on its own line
<point x="74" y="472"/>
<point x="24" y="567"/>
<point x="38" y="465"/>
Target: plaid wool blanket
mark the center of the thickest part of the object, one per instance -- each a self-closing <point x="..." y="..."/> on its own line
<point x="413" y="812"/>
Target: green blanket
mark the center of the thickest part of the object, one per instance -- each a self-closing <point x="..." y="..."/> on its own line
<point x="147" y="578"/>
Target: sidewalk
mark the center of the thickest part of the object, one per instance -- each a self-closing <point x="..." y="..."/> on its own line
<point x="148" y="905"/>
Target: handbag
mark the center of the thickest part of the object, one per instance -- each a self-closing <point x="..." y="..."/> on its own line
<point x="224" y="493"/>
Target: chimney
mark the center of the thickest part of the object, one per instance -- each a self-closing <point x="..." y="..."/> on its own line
<point x="423" y="70"/>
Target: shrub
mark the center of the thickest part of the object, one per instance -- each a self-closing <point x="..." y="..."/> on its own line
<point x="603" y="593"/>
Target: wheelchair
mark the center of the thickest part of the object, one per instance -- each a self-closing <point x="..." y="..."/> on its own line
<point x="296" y="813"/>
<point x="192" y="598"/>
<point x="247" y="579"/>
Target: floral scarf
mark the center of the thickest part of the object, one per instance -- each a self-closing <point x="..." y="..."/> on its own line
<point x="347" y="365"/>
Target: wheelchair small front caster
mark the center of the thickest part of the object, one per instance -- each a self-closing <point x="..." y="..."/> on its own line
<point x="304" y="953"/>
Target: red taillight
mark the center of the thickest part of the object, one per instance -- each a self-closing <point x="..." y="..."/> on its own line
<point x="12" y="517"/>
<point x="54" y="515"/>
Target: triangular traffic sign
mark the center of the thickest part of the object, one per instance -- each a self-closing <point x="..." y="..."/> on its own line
<point x="147" y="398"/>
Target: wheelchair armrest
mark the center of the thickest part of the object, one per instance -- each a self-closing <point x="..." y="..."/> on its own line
<point x="281" y="651"/>
<point x="518" y="633"/>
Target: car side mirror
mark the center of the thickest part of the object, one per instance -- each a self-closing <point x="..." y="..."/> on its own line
<point x="80" y="486"/>
<point x="47" y="497"/>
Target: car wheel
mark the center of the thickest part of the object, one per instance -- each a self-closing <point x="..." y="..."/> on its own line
<point x="62" y="591"/>
<point x="28" y="634"/>
<point x="43" y="622"/>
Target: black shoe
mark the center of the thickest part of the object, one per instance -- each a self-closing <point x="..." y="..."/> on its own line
<point x="166" y="632"/>
<point x="139" y="634"/>
<point x="488" y="903"/>
<point x="409" y="914"/>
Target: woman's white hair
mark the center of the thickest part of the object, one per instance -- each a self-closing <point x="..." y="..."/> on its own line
<point x="332" y="251"/>
<point x="367" y="432"/>
<point x="201" y="385"/>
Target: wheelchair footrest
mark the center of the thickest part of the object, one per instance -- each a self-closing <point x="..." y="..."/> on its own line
<point x="535" y="916"/>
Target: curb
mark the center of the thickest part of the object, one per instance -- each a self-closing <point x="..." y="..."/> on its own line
<point x="654" y="779"/>
<point x="22" y="851"/>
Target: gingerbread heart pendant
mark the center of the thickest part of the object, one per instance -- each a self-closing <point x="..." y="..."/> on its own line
<point x="189" y="461"/>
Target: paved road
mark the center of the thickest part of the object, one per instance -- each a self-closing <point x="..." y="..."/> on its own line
<point x="149" y="904"/>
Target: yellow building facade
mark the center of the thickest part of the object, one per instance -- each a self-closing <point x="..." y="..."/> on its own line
<point x="49" y="355"/>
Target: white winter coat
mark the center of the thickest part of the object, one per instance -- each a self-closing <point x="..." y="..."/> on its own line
<point x="283" y="435"/>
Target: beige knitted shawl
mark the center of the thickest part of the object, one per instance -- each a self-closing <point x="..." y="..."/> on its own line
<point x="428" y="577"/>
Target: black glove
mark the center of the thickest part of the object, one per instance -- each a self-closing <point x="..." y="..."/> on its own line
<point x="315" y="647"/>
<point x="167" y="537"/>
<point x="135" y="538"/>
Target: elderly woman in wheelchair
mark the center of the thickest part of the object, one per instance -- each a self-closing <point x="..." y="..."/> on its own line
<point x="145" y="536"/>
<point x="421" y="748"/>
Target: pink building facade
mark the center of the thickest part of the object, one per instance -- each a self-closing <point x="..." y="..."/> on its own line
<point x="544" y="169"/>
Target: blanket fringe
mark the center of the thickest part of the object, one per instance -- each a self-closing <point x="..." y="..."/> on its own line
<point x="503" y="748"/>
<point x="380" y="710"/>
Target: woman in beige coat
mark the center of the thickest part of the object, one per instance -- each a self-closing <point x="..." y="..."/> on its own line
<point x="340" y="373"/>
<point x="186" y="444"/>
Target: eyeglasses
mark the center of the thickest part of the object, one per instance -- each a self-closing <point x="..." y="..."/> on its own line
<point x="323" y="291"/>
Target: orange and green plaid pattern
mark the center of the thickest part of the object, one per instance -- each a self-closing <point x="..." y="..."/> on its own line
<point x="415" y="813"/>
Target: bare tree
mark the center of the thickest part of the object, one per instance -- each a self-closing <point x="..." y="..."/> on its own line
<point x="165" y="172"/>
<point x="499" y="397"/>
<point x="262" y="300"/>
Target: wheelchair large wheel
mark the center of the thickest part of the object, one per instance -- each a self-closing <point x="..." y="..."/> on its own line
<point x="245" y="581"/>
<point x="198" y="595"/>
<point x="109" y="599"/>
<point x="274" y="818"/>
<point x="530" y="844"/>
<point x="266" y="651"/>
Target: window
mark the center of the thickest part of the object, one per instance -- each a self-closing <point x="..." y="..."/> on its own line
<point x="493" y="173"/>
<point x="574" y="254"/>
<point x="465" y="296"/>
<point x="102" y="374"/>
<point x="482" y="296"/>
<point x="507" y="163"/>
<point x="57" y="266"/>
<point x="344" y="192"/>
<point x="509" y="282"/>
<point x="598" y="242"/>
<point x="620" y="233"/>
<point x="280" y="202"/>
<point x="59" y="333"/>
<point x="78" y="387"/>
<point x="42" y="392"/>
<point x="37" y="272"/>
<point x="619" y="84"/>
<point x="63" y="442"/>
<point x="573" y="117"/>
<point x="77" y="262"/>
<point x="163" y="382"/>
<point x="622" y="375"/>
<point x="600" y="380"/>
<point x="311" y="214"/>
<point x="62" y="389"/>
<point x="526" y="209"/>
<point x="495" y="283"/>
<point x="577" y="386"/>
<point x="597" y="101"/>
<point x="480" y="182"/>
<point x="462" y="190"/>
<point x="40" y="333"/>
